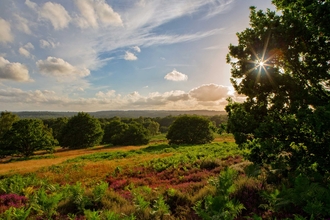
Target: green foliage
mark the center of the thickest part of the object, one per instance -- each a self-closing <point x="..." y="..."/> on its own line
<point x="190" y="130"/>
<point x="46" y="203"/>
<point x="121" y="133"/>
<point x="7" y="119"/>
<point x="81" y="131"/>
<point x="153" y="128"/>
<point x="160" y="208"/>
<point x="220" y="206"/>
<point x="57" y="126"/>
<point x="16" y="213"/>
<point x="312" y="197"/>
<point x="18" y="184"/>
<point x="112" y="130"/>
<point x="76" y="195"/>
<point x="27" y="136"/>
<point x="284" y="120"/>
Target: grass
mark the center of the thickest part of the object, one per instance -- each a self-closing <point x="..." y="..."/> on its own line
<point x="157" y="181"/>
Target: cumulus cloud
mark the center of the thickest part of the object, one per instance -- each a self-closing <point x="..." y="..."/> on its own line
<point x="95" y="11"/>
<point x="31" y="5"/>
<point x="46" y="44"/>
<point x="13" y="71"/>
<point x="59" y="68"/>
<point x="25" y="50"/>
<point x="137" y="49"/>
<point x="130" y="56"/>
<point x="107" y="94"/>
<point x="22" y="24"/>
<point x="56" y="14"/>
<point x="5" y="33"/>
<point x="209" y="92"/>
<point x="176" y="76"/>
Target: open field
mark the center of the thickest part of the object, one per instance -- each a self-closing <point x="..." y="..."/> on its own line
<point x="60" y="155"/>
<point x="134" y="179"/>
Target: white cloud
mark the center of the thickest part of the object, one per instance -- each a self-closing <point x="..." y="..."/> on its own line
<point x="13" y="71"/>
<point x="176" y="76"/>
<point x="31" y="5"/>
<point x="56" y="14"/>
<point x="137" y="49"/>
<point x="5" y="31"/>
<point x="46" y="44"/>
<point x="95" y="11"/>
<point x="24" y="52"/>
<point x="29" y="46"/>
<point x="59" y="68"/>
<point x="22" y="24"/>
<point x="130" y="56"/>
<point x="107" y="94"/>
<point x="210" y="92"/>
<point x="219" y="7"/>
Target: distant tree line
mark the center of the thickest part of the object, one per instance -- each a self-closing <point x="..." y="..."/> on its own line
<point x="23" y="137"/>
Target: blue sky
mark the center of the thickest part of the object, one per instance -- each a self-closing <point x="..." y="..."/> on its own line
<point x="93" y="55"/>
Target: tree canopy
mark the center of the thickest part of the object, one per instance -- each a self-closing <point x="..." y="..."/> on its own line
<point x="27" y="136"/>
<point x="121" y="133"/>
<point x="7" y="119"/>
<point x="81" y="131"/>
<point x="190" y="130"/>
<point x="281" y="64"/>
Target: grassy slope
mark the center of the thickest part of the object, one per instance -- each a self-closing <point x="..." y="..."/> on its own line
<point x="179" y="174"/>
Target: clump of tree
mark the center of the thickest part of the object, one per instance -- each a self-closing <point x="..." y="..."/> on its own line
<point x="190" y="129"/>
<point x="282" y="65"/>
<point x="7" y="119"/>
<point x="25" y="137"/>
<point x="57" y="125"/>
<point x="121" y="133"/>
<point x="81" y="131"/>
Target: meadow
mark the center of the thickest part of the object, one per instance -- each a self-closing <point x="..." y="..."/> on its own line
<point x="157" y="181"/>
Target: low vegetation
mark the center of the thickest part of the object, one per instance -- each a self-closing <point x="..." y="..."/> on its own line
<point x="278" y="167"/>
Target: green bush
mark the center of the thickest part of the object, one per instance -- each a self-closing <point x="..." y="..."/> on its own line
<point x="221" y="206"/>
<point x="190" y="130"/>
<point x="81" y="131"/>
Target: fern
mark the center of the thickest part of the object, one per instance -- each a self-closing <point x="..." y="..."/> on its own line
<point x="221" y="206"/>
<point x="16" y="214"/>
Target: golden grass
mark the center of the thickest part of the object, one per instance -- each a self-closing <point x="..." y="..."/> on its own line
<point x="60" y="156"/>
<point x="90" y="173"/>
<point x="103" y="167"/>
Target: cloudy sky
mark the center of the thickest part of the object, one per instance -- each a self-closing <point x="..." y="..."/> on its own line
<point x="93" y="55"/>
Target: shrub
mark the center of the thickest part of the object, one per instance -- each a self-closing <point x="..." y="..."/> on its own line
<point x="81" y="131"/>
<point x="190" y="130"/>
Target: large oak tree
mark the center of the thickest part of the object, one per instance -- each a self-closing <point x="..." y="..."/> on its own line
<point x="282" y="65"/>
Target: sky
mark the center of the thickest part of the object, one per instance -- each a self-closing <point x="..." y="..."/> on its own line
<point x="96" y="55"/>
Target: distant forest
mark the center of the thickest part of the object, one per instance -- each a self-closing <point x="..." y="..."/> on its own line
<point x="118" y="113"/>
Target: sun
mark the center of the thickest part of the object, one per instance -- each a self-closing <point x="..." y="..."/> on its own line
<point x="261" y="63"/>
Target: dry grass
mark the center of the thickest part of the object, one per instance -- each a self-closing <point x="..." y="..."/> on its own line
<point x="92" y="172"/>
<point x="60" y="156"/>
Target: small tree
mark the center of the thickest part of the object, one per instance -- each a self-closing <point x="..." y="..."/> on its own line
<point x="190" y="130"/>
<point x="81" y="131"/>
<point x="121" y="133"/>
<point x="113" y="130"/>
<point x="27" y="136"/>
<point x="7" y="119"/>
<point x="153" y="128"/>
<point x="56" y="125"/>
